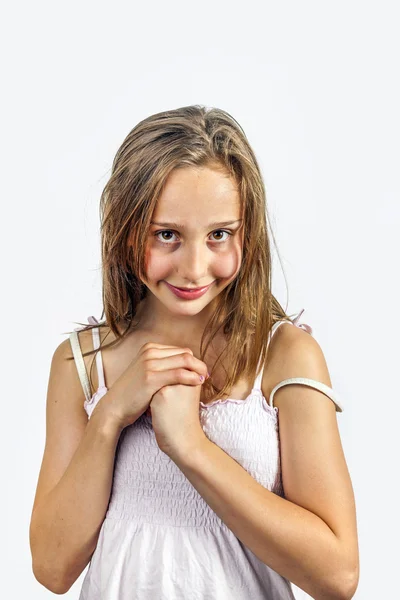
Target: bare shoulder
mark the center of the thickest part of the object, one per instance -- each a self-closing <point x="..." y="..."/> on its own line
<point x="293" y="353"/>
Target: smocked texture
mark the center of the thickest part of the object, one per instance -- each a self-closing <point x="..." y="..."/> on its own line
<point x="160" y="540"/>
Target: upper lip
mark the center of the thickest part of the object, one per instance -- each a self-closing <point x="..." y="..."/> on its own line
<point x="189" y="288"/>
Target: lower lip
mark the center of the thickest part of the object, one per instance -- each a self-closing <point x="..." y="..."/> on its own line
<point x="188" y="295"/>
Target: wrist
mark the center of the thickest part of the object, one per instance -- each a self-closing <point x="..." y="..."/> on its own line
<point x="185" y="454"/>
<point x="107" y="420"/>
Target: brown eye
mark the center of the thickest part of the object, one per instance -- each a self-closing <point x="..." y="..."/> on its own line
<point x="165" y="242"/>
<point x="222" y="231"/>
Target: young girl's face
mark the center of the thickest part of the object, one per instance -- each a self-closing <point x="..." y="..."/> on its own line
<point x="195" y="238"/>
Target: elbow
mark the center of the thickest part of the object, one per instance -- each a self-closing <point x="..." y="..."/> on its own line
<point x="51" y="570"/>
<point x="352" y="585"/>
<point x="57" y="577"/>
<point x="50" y="580"/>
<point x="347" y="588"/>
<point x="48" y="574"/>
<point x="350" y="581"/>
<point x="344" y="582"/>
<point x="341" y="588"/>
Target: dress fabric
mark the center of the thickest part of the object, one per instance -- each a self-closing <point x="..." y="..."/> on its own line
<point x="160" y="540"/>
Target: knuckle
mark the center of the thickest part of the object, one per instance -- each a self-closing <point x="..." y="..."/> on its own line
<point x="147" y="347"/>
<point x="187" y="358"/>
<point x="147" y="351"/>
<point x="162" y="391"/>
<point x="149" y="364"/>
<point x="147" y="376"/>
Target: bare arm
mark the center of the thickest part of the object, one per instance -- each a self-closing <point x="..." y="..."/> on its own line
<point x="75" y="479"/>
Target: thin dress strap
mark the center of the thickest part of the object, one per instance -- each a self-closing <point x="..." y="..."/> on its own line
<point x="79" y="361"/>
<point x="96" y="344"/>
<point x="260" y="368"/>
<point x="317" y="385"/>
<point x="302" y="325"/>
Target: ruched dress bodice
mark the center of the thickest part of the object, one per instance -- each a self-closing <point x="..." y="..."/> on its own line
<point x="160" y="540"/>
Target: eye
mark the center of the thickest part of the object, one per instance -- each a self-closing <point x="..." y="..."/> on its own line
<point x="169" y="231"/>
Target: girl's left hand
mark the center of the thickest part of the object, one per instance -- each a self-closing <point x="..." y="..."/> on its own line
<point x="175" y="413"/>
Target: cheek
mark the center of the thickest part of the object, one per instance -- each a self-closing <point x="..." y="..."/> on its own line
<point x="157" y="267"/>
<point x="227" y="264"/>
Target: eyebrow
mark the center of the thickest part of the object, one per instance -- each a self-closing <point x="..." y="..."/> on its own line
<point x="210" y="225"/>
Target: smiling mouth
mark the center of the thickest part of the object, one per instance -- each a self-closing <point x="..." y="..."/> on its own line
<point x="186" y="289"/>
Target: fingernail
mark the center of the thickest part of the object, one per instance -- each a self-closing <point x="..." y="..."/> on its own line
<point x="201" y="378"/>
<point x="208" y="374"/>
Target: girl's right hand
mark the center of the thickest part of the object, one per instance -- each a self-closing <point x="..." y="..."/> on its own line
<point x="154" y="367"/>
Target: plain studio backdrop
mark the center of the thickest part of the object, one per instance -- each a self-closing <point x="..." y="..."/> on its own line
<point x="316" y="88"/>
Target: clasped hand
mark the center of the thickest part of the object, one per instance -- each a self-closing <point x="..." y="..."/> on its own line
<point x="175" y="413"/>
<point x="164" y="380"/>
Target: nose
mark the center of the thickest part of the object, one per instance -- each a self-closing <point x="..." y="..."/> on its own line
<point x="193" y="263"/>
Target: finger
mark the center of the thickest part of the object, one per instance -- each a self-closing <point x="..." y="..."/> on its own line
<point x="162" y="349"/>
<point x="162" y="353"/>
<point x="178" y="360"/>
<point x="178" y="376"/>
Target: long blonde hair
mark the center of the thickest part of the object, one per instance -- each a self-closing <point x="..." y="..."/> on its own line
<point x="186" y="137"/>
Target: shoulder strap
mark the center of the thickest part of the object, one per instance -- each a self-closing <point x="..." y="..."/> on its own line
<point x="80" y="363"/>
<point x="302" y="325"/>
<point x="96" y="344"/>
<point x="257" y="383"/>
<point x="318" y="385"/>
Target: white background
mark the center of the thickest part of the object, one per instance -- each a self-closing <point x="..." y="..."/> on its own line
<point x="315" y="85"/>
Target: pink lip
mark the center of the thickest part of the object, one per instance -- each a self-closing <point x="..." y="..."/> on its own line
<point x="186" y="289"/>
<point x="188" y="293"/>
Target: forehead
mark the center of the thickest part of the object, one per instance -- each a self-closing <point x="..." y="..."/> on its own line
<point x="198" y="194"/>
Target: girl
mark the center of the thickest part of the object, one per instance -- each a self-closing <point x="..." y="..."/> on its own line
<point x="201" y="459"/>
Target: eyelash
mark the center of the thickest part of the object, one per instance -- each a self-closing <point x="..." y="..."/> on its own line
<point x="170" y="231"/>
